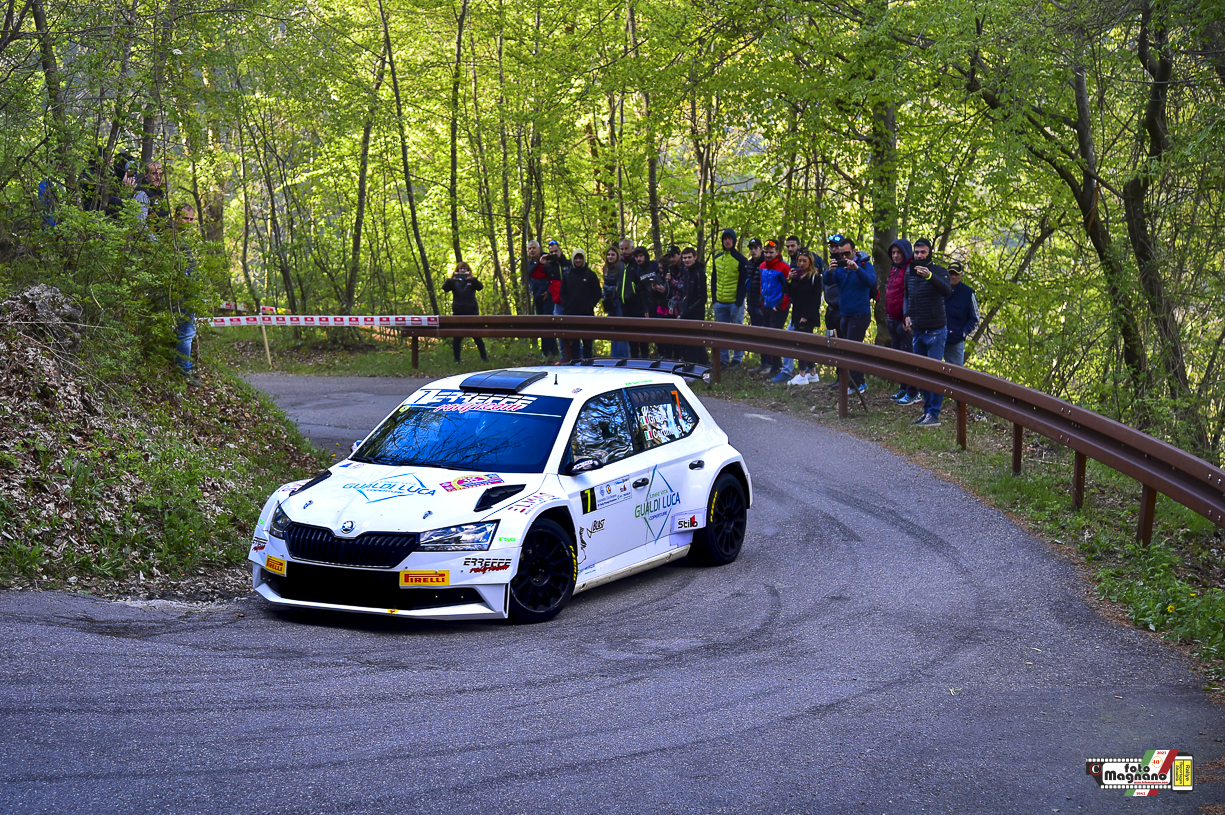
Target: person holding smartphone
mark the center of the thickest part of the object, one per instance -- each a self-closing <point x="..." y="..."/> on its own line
<point x="463" y="286"/>
<point x="927" y="284"/>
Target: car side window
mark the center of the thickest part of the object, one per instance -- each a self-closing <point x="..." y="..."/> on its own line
<point x="660" y="415"/>
<point x="602" y="430"/>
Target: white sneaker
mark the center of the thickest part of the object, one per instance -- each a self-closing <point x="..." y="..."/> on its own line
<point x="798" y="379"/>
<point x="814" y="378"/>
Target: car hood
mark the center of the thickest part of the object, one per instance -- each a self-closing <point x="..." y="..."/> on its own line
<point x="398" y="499"/>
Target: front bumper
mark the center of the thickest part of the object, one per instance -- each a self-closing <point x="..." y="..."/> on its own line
<point x="307" y="585"/>
<point x="473" y="585"/>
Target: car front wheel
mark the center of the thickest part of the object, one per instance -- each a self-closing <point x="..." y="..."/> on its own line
<point x="718" y="543"/>
<point x="547" y="571"/>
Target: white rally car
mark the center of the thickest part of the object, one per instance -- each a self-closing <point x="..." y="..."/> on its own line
<point x="503" y="493"/>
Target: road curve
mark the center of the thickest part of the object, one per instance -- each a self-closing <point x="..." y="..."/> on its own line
<point x="884" y="644"/>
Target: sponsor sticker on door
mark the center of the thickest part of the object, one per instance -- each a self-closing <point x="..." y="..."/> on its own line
<point x="409" y="580"/>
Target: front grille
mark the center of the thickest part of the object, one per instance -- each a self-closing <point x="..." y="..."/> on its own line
<point x="373" y="550"/>
<point x="350" y="587"/>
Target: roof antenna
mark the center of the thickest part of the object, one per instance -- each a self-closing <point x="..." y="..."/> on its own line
<point x="554" y="379"/>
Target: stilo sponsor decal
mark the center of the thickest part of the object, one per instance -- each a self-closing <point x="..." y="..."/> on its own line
<point x="524" y="505"/>
<point x="395" y="486"/>
<point x="660" y="500"/>
<point x="467" y="482"/>
<point x="1144" y="776"/>
<point x="484" y="565"/>
<point x="258" y="544"/>
<point x="410" y="579"/>
<point x="688" y="521"/>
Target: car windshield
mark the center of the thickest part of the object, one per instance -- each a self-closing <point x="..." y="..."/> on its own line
<point x="456" y="430"/>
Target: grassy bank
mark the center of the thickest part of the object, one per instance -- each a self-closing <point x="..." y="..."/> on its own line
<point x="133" y="485"/>
<point x="1172" y="587"/>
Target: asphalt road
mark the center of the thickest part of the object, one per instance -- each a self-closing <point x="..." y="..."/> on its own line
<point x="884" y="644"/>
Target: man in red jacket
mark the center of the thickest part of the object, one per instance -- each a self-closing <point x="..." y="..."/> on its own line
<point x="900" y="339"/>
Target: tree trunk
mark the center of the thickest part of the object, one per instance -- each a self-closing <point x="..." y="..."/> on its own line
<point x="362" y="176"/>
<point x="882" y="181"/>
<point x="453" y="189"/>
<point x="408" y="179"/>
<point x="61" y="140"/>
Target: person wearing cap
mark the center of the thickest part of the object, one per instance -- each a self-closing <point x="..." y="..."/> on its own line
<point x="463" y="287"/>
<point x="961" y="311"/>
<point x="775" y="302"/>
<point x="927" y="284"/>
<point x="563" y="264"/>
<point x="833" y="316"/>
<point x="900" y="253"/>
<point x="580" y="291"/>
<point x="541" y="273"/>
<point x="729" y="280"/>
<point x="757" y="315"/>
<point x="620" y="286"/>
<point x="851" y="269"/>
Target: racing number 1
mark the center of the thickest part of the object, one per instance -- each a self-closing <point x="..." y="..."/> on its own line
<point x="588" y="500"/>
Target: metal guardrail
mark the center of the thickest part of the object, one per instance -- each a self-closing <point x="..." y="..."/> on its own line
<point x="1158" y="466"/>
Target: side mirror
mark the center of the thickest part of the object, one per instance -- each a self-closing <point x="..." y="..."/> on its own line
<point x="356" y="445"/>
<point x="584" y="465"/>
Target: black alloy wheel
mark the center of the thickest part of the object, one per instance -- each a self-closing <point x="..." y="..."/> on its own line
<point x="718" y="543"/>
<point x="548" y="567"/>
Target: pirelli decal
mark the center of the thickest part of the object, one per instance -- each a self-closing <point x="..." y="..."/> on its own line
<point x="409" y="580"/>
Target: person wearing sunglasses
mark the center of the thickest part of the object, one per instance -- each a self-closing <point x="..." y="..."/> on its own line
<point x="852" y="271"/>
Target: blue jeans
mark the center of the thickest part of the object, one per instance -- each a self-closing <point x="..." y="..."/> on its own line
<point x="955" y="352"/>
<point x="184" y="333"/>
<point x="931" y="345"/>
<point x="729" y="313"/>
<point x="548" y="345"/>
<point x="620" y="348"/>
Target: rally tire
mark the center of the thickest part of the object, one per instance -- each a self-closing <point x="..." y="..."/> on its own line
<point x="548" y="567"/>
<point x="718" y="542"/>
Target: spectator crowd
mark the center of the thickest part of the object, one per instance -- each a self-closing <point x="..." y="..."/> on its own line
<point x="928" y="308"/>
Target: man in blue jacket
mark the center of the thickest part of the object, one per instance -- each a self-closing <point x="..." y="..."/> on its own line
<point x="852" y="271"/>
<point x="961" y="309"/>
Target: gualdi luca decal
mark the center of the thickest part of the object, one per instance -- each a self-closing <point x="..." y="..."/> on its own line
<point x="657" y="506"/>
<point x="395" y="486"/>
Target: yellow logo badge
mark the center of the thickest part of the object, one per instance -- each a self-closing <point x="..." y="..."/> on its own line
<point x="275" y="565"/>
<point x="416" y="579"/>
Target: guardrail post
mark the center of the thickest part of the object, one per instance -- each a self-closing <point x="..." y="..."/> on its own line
<point x="961" y="424"/>
<point x="844" y="379"/>
<point x="416" y="359"/>
<point x="1078" y="481"/>
<point x="1018" y="437"/>
<point x="1148" y="508"/>
<point x="716" y="367"/>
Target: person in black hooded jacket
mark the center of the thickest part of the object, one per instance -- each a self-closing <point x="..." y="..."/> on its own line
<point x="580" y="292"/>
<point x="693" y="300"/>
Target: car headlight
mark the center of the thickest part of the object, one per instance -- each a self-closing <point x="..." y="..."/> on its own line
<point x="467" y="538"/>
<point x="280" y="523"/>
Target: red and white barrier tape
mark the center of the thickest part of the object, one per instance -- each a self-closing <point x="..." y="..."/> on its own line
<point x="330" y="320"/>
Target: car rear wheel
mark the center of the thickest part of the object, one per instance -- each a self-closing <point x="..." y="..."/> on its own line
<point x="718" y="543"/>
<point x="547" y="571"/>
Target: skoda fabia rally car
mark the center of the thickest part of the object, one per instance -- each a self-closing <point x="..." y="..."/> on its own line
<point x="501" y="494"/>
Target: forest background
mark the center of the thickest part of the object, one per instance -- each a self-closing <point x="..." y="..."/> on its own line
<point x="343" y="155"/>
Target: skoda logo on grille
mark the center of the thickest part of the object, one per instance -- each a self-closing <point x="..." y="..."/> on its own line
<point x="346" y="527"/>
